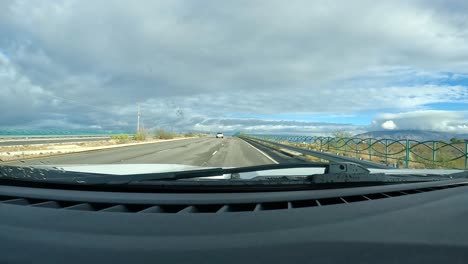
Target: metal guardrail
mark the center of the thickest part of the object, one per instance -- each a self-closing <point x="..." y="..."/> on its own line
<point x="406" y="152"/>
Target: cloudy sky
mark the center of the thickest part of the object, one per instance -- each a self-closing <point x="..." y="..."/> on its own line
<point x="303" y="67"/>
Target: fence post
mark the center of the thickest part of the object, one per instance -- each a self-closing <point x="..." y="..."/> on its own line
<point x="357" y="151"/>
<point x="386" y="151"/>
<point x="346" y="146"/>
<point x="466" y="155"/>
<point x="434" y="153"/>
<point x="328" y="143"/>
<point x="407" y="159"/>
<point x="321" y="144"/>
<point x="370" y="148"/>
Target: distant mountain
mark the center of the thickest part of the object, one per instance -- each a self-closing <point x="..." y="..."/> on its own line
<point x="419" y="135"/>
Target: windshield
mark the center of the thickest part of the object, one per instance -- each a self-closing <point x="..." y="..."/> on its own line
<point x="164" y="86"/>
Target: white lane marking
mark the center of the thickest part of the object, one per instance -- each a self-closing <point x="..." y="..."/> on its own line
<point x="214" y="153"/>
<point x="264" y="154"/>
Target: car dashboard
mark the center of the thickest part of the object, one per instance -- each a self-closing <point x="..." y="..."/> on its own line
<point x="422" y="222"/>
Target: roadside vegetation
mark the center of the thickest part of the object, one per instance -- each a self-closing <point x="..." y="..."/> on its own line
<point x="162" y="134"/>
<point x="140" y="136"/>
<point x="145" y="135"/>
<point x="189" y="134"/>
<point x="122" y="138"/>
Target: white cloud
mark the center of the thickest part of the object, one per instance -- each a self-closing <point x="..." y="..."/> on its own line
<point x="20" y="99"/>
<point x="257" y="126"/>
<point x="443" y="121"/>
<point x="389" y="124"/>
<point x="233" y="45"/>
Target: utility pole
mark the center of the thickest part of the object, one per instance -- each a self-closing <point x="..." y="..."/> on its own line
<point x="138" y="119"/>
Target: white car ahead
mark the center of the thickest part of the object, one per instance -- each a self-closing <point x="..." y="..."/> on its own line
<point x="219" y="135"/>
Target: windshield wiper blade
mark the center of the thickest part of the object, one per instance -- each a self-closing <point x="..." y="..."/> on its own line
<point x="55" y="174"/>
<point x="191" y="174"/>
<point x="345" y="172"/>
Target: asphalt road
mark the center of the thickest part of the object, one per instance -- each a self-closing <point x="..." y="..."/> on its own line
<point x="16" y="142"/>
<point x="210" y="152"/>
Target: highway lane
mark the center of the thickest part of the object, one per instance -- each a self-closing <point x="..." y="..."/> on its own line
<point x="207" y="151"/>
<point x="276" y="155"/>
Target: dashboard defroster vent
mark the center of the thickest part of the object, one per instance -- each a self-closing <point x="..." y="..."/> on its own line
<point x="210" y="208"/>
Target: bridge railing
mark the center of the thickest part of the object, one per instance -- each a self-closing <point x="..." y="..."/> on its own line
<point x="406" y="153"/>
